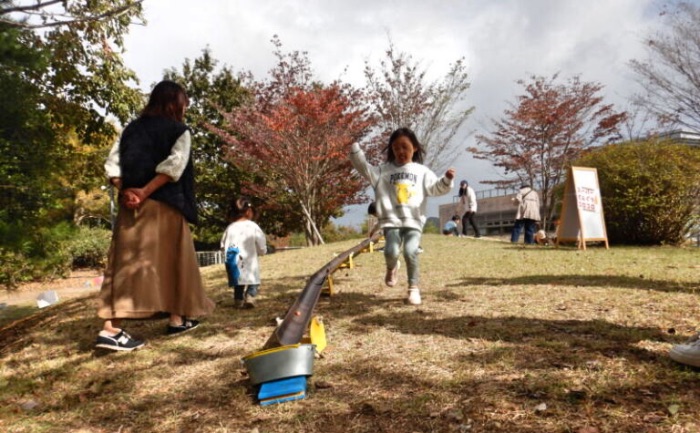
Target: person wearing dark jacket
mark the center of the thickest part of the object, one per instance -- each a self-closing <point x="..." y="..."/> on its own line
<point x="152" y="270"/>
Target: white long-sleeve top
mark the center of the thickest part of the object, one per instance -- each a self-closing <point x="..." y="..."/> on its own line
<point x="467" y="202"/>
<point x="249" y="238"/>
<point x="400" y="190"/>
<point x="173" y="166"/>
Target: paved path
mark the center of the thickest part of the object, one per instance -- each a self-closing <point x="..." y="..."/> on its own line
<point x="79" y="283"/>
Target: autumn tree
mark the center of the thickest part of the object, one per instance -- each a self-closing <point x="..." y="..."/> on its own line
<point x="551" y="125"/>
<point x="669" y="76"/>
<point x="401" y="95"/>
<point x="294" y="134"/>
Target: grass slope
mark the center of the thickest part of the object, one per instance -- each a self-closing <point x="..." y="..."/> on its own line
<point x="509" y="339"/>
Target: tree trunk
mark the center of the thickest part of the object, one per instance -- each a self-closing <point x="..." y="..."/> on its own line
<point x="313" y="235"/>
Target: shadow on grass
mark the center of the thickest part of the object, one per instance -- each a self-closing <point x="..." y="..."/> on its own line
<point x="584" y="281"/>
<point x="12" y="313"/>
<point x="572" y="341"/>
<point x="366" y="394"/>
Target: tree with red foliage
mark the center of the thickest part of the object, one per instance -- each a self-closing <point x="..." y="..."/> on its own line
<point x="551" y="125"/>
<point x="293" y="135"/>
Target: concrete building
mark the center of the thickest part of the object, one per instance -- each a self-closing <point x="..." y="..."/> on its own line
<point x="684" y="137"/>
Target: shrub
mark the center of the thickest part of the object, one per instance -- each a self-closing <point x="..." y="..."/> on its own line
<point x="334" y="233"/>
<point x="30" y="254"/>
<point x="88" y="247"/>
<point x="649" y="189"/>
<point x="431" y="227"/>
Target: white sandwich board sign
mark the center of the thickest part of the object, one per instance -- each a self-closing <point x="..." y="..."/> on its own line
<point x="582" y="210"/>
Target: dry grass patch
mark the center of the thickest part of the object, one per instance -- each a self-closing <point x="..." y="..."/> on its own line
<point x="509" y="339"/>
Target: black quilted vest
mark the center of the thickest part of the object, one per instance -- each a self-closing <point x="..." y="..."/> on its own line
<point x="145" y="143"/>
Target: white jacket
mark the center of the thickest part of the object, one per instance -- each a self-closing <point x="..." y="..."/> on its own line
<point x="400" y="191"/>
<point x="528" y="201"/>
<point x="249" y="238"/>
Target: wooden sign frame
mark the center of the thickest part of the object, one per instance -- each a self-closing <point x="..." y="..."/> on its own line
<point x="582" y="218"/>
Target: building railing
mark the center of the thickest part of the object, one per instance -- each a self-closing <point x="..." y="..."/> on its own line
<point x="491" y="193"/>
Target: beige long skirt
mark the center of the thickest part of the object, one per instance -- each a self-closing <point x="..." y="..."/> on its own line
<point x="152" y="269"/>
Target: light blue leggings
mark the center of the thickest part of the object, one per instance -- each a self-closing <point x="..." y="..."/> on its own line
<point x="410" y="238"/>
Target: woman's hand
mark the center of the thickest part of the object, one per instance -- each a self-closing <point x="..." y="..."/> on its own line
<point x="450" y="173"/>
<point x="132" y="198"/>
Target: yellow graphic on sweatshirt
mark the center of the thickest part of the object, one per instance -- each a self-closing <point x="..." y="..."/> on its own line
<point x="403" y="193"/>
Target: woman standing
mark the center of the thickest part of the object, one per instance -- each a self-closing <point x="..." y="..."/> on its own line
<point x="468" y="205"/>
<point x="152" y="269"/>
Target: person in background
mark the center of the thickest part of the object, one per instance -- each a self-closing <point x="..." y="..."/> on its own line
<point x="401" y="186"/>
<point x="541" y="238"/>
<point x="152" y="269"/>
<point x="467" y="205"/>
<point x="242" y="243"/>
<point x="527" y="215"/>
<point x="450" y="227"/>
<point x="372" y="211"/>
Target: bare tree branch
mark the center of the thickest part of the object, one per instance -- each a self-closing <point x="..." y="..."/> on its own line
<point x="57" y="23"/>
<point x="670" y="76"/>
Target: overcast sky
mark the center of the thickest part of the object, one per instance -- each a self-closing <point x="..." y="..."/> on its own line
<point x="501" y="41"/>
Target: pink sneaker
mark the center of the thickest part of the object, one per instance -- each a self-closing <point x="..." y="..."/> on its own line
<point x="391" y="277"/>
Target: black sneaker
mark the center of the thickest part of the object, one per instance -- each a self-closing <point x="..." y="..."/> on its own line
<point x="187" y="325"/>
<point x="121" y="341"/>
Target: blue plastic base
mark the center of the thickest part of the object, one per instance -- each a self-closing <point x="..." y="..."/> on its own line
<point x="279" y="391"/>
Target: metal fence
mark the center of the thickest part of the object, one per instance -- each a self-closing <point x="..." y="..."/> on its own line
<point x="491" y="193"/>
<point x="208" y="258"/>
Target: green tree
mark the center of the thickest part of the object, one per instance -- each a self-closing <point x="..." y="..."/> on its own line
<point x="649" y="189"/>
<point x="27" y="152"/>
<point x="85" y="78"/>
<point x="60" y="77"/>
<point x="218" y="181"/>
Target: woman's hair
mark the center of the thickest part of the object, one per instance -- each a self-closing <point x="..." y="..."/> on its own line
<point x="372" y="208"/>
<point x="405" y="132"/>
<point x="239" y="207"/>
<point x="168" y="99"/>
<point x="463" y="188"/>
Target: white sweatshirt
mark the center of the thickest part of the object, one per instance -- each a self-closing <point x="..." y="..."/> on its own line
<point x="400" y="191"/>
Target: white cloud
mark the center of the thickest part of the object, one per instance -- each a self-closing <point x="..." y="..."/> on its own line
<point x="501" y="40"/>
